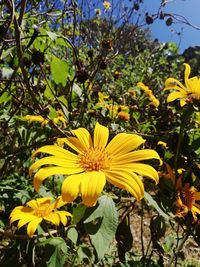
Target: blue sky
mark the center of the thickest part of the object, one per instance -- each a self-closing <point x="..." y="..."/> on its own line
<point x="190" y="9"/>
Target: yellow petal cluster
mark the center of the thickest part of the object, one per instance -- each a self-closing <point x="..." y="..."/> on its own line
<point x="185" y="93"/>
<point x="37" y="210"/>
<point x="149" y="93"/>
<point x="94" y="162"/>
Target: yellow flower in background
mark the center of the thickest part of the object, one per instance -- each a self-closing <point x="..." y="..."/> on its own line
<point x="60" y="119"/>
<point x="154" y="101"/>
<point x="106" y="4"/>
<point x="185" y="93"/>
<point x="96" y="162"/>
<point x="33" y="118"/>
<point x="37" y="210"/>
<point x="186" y="201"/>
<point x="123" y="115"/>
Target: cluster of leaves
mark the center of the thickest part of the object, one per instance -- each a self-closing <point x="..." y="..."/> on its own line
<point x="73" y="71"/>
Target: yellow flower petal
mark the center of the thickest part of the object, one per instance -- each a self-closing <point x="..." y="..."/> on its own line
<point x="55" y="151"/>
<point x="101" y="135"/>
<point x="63" y="216"/>
<point x="25" y="220"/>
<point x="43" y="173"/>
<point x="128" y="181"/>
<point x="123" y="143"/>
<point x="175" y="95"/>
<point x="71" y="187"/>
<point x="146" y="170"/>
<point x="58" y="203"/>
<point x="187" y="73"/>
<point x="91" y="187"/>
<point x="136" y="156"/>
<point x="75" y="144"/>
<point x="172" y="83"/>
<point x="32" y="226"/>
<point x="34" y="204"/>
<point x="84" y="137"/>
<point x="53" y="217"/>
<point x="55" y="160"/>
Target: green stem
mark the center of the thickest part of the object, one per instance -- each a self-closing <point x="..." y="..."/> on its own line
<point x="178" y="249"/>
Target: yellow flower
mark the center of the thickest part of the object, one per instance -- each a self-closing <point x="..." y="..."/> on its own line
<point x="186" y="93"/>
<point x="106" y="4"/>
<point x="60" y="119"/>
<point x="186" y="201"/>
<point x="161" y="143"/>
<point x="38" y="210"/>
<point x="38" y="118"/>
<point x="123" y="115"/>
<point x="95" y="162"/>
<point x="154" y="101"/>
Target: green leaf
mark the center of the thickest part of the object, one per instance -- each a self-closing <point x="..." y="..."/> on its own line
<point x="5" y="98"/>
<point x="56" y="250"/>
<point x="153" y="203"/>
<point x="59" y="70"/>
<point x="78" y="213"/>
<point x="101" y="224"/>
<point x="72" y="234"/>
<point x="52" y="35"/>
<point x="48" y="92"/>
<point x="76" y="89"/>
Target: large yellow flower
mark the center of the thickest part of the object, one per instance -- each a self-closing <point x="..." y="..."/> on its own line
<point x="187" y="92"/>
<point x="186" y="201"/>
<point x="95" y="162"/>
<point x="38" y="210"/>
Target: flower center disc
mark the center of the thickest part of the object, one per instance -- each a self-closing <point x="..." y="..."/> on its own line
<point x="95" y="159"/>
<point x="42" y="211"/>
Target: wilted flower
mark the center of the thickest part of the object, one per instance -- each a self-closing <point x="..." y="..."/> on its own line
<point x="95" y="162"/>
<point x="185" y="93"/>
<point x="37" y="210"/>
<point x="186" y="201"/>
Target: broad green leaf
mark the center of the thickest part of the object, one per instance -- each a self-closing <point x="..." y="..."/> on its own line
<point x="101" y="225"/>
<point x="59" y="70"/>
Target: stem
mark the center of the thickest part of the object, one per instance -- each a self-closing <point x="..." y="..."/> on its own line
<point x="179" y="248"/>
<point x="142" y="230"/>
